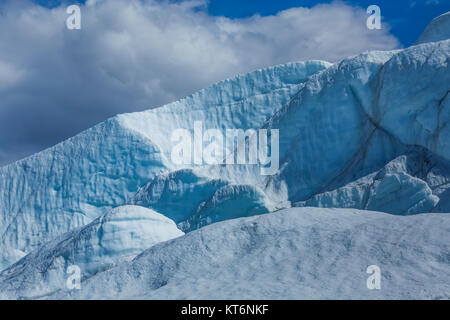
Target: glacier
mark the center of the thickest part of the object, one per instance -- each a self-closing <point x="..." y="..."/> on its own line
<point x="76" y="181"/>
<point x="195" y="201"/>
<point x="348" y="117"/>
<point x="369" y="134"/>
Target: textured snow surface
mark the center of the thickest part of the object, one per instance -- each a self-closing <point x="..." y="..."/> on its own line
<point x="117" y="236"/>
<point x="298" y="253"/>
<point x="437" y="30"/>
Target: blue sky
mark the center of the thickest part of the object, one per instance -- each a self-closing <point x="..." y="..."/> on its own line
<point x="407" y="18"/>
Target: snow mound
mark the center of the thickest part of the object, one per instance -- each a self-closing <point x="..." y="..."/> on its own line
<point x="298" y="253"/>
<point x="437" y="30"/>
<point x="117" y="236"/>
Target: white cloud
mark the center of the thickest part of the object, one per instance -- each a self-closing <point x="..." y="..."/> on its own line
<point x="133" y="55"/>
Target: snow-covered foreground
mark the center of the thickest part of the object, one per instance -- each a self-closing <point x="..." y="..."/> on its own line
<point x="120" y="235"/>
<point x="298" y="253"/>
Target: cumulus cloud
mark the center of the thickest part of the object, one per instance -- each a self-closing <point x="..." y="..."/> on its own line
<point x="140" y="54"/>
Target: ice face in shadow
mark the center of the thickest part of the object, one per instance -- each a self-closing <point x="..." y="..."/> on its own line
<point x="115" y="237"/>
<point x="406" y="185"/>
<point x="193" y="201"/>
<point x="298" y="253"/>
<point x="345" y="125"/>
